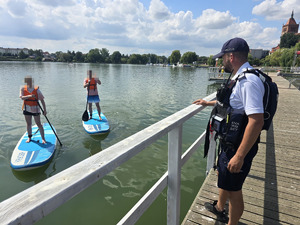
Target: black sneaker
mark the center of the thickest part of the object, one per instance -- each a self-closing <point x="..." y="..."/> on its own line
<point x="222" y="216"/>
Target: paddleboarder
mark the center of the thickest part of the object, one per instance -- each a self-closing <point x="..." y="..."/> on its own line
<point x="91" y="84"/>
<point x="30" y="95"/>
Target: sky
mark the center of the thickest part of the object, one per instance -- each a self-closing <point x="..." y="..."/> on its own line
<point x="142" y="26"/>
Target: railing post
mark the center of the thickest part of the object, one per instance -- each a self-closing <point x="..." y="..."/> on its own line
<point x="174" y="175"/>
<point x="211" y="155"/>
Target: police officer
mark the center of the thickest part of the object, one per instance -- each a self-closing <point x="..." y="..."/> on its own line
<point x="234" y="164"/>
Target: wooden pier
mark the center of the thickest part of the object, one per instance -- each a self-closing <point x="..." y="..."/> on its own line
<point x="217" y="76"/>
<point x="272" y="189"/>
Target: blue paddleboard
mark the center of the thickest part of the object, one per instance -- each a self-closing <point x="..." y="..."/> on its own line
<point x="34" y="154"/>
<point x="95" y="125"/>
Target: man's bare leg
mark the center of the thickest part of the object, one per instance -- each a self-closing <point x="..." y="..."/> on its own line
<point x="90" y="110"/>
<point x="41" y="128"/>
<point x="99" y="110"/>
<point x="28" y="119"/>
<point x="236" y="207"/>
<point x="223" y="196"/>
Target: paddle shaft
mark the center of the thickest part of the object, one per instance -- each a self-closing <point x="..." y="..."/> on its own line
<point x="88" y="87"/>
<point x="49" y="123"/>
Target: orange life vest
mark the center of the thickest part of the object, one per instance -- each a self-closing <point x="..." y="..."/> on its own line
<point x="93" y="84"/>
<point x="30" y="101"/>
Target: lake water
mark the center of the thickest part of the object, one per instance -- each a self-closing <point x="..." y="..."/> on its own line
<point x="132" y="98"/>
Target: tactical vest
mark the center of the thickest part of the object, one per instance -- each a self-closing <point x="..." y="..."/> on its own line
<point x="228" y="123"/>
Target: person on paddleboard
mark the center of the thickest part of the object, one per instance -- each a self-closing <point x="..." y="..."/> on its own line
<point x="30" y="96"/>
<point x="91" y="84"/>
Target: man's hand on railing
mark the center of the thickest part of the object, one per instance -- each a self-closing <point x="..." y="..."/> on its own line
<point x="204" y="102"/>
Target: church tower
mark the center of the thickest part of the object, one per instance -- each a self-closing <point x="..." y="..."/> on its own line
<point x="291" y="26"/>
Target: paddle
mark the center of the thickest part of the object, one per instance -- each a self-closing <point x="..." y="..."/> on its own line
<point x="49" y="123"/>
<point x="85" y="115"/>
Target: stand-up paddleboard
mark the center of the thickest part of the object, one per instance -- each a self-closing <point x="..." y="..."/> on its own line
<point x="95" y="125"/>
<point x="34" y="154"/>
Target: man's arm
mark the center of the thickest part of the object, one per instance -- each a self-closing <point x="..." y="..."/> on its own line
<point x="98" y="81"/>
<point x="205" y="103"/>
<point x="85" y="83"/>
<point x="44" y="106"/>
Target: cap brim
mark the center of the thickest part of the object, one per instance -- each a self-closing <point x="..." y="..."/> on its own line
<point x="218" y="55"/>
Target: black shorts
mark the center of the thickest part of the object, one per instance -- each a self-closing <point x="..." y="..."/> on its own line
<point x="30" y="114"/>
<point x="233" y="181"/>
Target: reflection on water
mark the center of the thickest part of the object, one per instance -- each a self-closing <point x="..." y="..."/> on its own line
<point x="39" y="174"/>
<point x="94" y="145"/>
<point x="132" y="98"/>
<point x="35" y="175"/>
<point x="212" y="88"/>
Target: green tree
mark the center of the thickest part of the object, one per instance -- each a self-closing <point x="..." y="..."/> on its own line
<point x="287" y="57"/>
<point x="288" y="40"/>
<point x="151" y="58"/>
<point x="175" y="57"/>
<point x="297" y="59"/>
<point x="104" y="55"/>
<point x="79" y="57"/>
<point x="65" y="57"/>
<point x="189" y="57"/>
<point x="211" y="61"/>
<point x="22" y="55"/>
<point x="253" y="61"/>
<point x="162" y="59"/>
<point x="135" y="59"/>
<point x="202" y="60"/>
<point x="273" y="59"/>
<point x="94" y="56"/>
<point x="116" y="57"/>
<point x="144" y="59"/>
<point x="124" y="59"/>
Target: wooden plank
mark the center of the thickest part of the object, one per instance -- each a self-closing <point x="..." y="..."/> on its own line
<point x="271" y="191"/>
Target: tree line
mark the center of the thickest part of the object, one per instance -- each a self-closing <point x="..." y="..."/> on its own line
<point x="103" y="56"/>
<point x="284" y="57"/>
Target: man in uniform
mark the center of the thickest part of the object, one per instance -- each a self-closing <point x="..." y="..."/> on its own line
<point x="234" y="163"/>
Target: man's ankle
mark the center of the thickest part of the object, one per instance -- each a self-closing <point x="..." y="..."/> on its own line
<point x="218" y="208"/>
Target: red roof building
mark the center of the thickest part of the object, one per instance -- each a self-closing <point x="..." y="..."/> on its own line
<point x="291" y="26"/>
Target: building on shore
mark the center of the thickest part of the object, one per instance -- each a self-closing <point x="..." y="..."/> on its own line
<point x="259" y="53"/>
<point x="13" y="51"/>
<point x="291" y="26"/>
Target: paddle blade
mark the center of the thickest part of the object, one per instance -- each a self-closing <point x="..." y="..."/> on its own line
<point x="85" y="116"/>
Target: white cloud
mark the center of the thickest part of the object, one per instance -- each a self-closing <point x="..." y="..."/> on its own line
<point x="16" y="8"/>
<point x="158" y="10"/>
<point x="277" y="10"/>
<point x="55" y="3"/>
<point x="127" y="25"/>
<point x="212" y="19"/>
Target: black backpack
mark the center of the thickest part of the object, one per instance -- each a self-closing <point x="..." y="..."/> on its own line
<point x="270" y="96"/>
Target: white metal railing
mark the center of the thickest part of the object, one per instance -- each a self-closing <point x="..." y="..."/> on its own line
<point x="36" y="202"/>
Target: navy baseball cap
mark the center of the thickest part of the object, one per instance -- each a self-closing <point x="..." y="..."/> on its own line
<point x="233" y="45"/>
